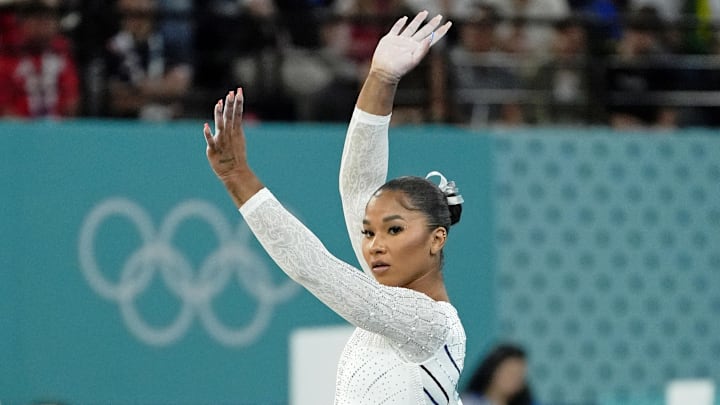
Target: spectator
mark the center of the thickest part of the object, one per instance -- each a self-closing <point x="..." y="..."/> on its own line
<point x="302" y="19"/>
<point x="176" y="27"/>
<point x="95" y="28"/>
<point x="639" y="70"/>
<point x="531" y="27"/>
<point x="456" y="9"/>
<point x="9" y="30"/>
<point x="146" y="79"/>
<point x="252" y="55"/>
<point x="605" y="24"/>
<point x="706" y="11"/>
<point x="316" y="73"/>
<point x="500" y="379"/>
<point x="365" y="33"/>
<point x="701" y="38"/>
<point x="38" y="75"/>
<point x="669" y="10"/>
<point x="481" y="76"/>
<point x="327" y="83"/>
<point x="564" y="80"/>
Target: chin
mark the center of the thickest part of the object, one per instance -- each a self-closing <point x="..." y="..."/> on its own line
<point x="385" y="280"/>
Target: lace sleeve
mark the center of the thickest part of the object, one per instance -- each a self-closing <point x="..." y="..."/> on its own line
<point x="414" y="322"/>
<point x="363" y="169"/>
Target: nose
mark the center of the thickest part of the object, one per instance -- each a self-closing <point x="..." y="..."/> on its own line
<point x="377" y="245"/>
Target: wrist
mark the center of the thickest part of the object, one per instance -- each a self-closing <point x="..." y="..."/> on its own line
<point x="241" y="185"/>
<point x="383" y="77"/>
<point x="378" y="93"/>
<point x="237" y="176"/>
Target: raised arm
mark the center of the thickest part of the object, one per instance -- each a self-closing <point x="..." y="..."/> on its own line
<point x="414" y="322"/>
<point x="365" y="156"/>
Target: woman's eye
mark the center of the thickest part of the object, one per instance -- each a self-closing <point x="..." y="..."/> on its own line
<point x="394" y="230"/>
<point x="367" y="234"/>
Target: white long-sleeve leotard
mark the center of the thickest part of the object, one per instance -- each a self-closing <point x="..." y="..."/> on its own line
<point x="407" y="348"/>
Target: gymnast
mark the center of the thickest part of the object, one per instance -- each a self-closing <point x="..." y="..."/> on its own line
<point x="409" y="344"/>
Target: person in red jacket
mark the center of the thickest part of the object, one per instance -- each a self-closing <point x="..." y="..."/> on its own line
<point x="38" y="75"/>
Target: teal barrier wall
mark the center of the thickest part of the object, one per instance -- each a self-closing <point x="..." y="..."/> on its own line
<point x="609" y="260"/>
<point x="128" y="277"/>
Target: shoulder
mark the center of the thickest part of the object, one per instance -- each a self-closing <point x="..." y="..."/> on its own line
<point x="449" y="309"/>
<point x="456" y="331"/>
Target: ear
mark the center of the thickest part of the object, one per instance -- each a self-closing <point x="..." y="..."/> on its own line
<point x="439" y="236"/>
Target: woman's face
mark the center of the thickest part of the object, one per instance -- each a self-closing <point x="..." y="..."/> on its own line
<point x="398" y="246"/>
<point x="509" y="377"/>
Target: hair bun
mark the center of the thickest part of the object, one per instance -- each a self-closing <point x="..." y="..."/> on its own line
<point x="452" y="195"/>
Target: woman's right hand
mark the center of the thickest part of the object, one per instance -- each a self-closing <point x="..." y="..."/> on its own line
<point x="226" y="149"/>
<point x="401" y="49"/>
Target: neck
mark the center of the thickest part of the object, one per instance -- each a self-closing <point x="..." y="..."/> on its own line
<point x="432" y="285"/>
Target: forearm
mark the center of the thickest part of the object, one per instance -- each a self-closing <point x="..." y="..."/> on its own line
<point x="377" y="94"/>
<point x="363" y="169"/>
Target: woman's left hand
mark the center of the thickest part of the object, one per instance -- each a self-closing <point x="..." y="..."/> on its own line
<point x="401" y="49"/>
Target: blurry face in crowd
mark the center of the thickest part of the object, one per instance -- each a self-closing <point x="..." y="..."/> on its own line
<point x="509" y="378"/>
<point x="570" y="40"/>
<point x="520" y="4"/>
<point x="576" y="38"/>
<point x="40" y="29"/>
<point x="398" y="246"/>
<point x="643" y="41"/>
<point x="478" y="37"/>
<point x="139" y="18"/>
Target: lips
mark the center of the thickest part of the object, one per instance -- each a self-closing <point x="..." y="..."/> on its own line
<point x="379" y="266"/>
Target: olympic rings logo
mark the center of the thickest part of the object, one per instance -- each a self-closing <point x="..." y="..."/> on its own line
<point x="233" y="260"/>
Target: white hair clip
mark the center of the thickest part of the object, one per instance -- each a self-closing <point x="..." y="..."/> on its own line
<point x="452" y="193"/>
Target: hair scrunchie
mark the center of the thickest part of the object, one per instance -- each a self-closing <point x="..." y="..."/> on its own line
<point x="448" y="188"/>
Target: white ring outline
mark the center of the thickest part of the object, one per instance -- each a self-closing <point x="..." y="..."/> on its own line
<point x="194" y="291"/>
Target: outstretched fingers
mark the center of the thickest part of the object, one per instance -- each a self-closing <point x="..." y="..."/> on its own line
<point x="410" y="30"/>
<point x="219" y="127"/>
<point x="209" y="137"/>
<point x="399" y="24"/>
<point x="428" y="28"/>
<point x="229" y="109"/>
<point x="218" y="114"/>
<point x="439" y="33"/>
<point x="238" y="111"/>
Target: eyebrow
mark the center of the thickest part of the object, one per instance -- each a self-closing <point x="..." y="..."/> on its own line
<point x="386" y="219"/>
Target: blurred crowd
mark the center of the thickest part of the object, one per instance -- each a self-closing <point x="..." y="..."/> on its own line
<point x="624" y="63"/>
